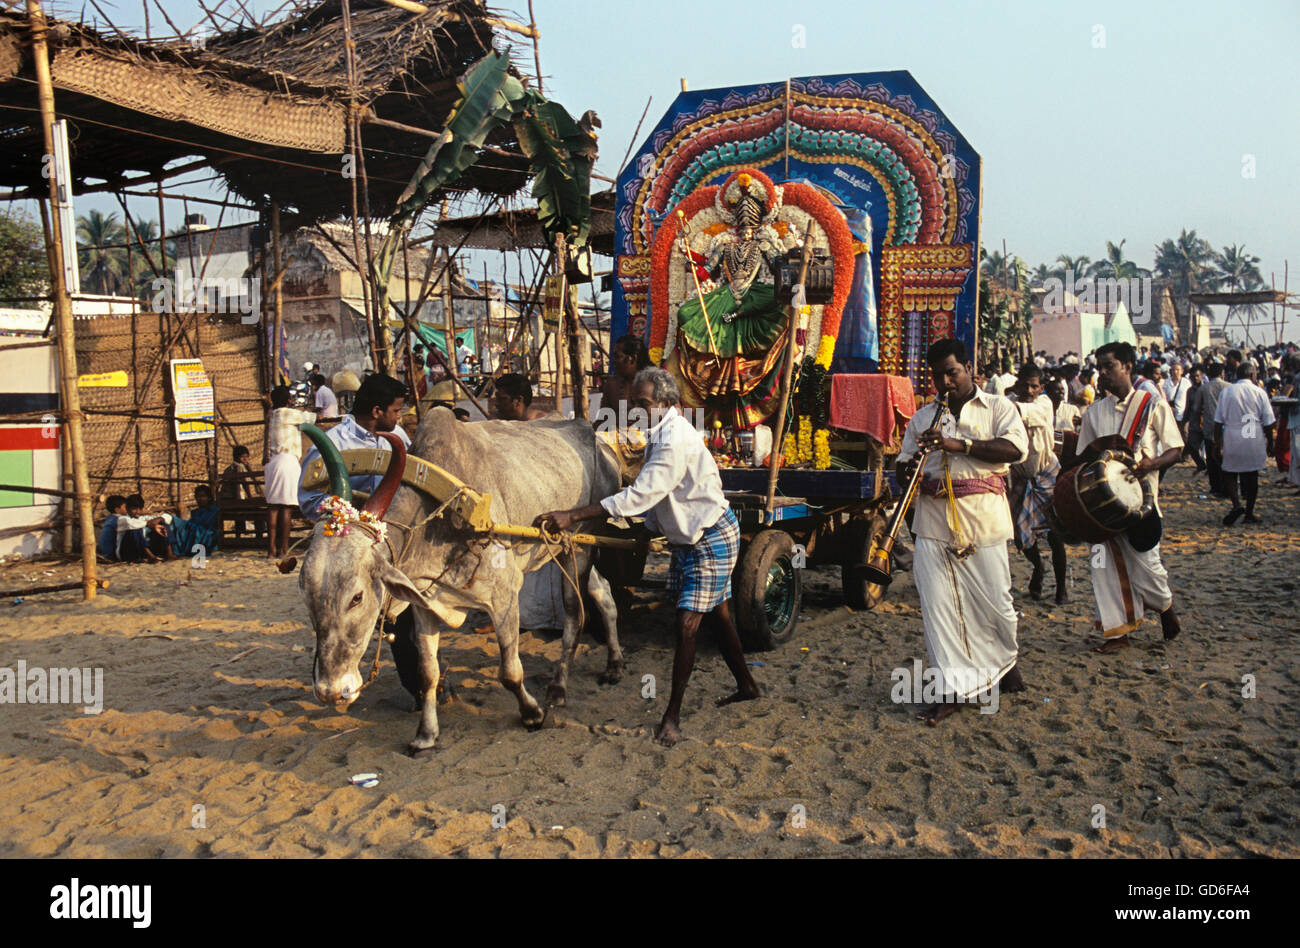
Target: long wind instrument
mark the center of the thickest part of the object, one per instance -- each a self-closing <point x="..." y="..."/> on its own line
<point x="879" y="569"/>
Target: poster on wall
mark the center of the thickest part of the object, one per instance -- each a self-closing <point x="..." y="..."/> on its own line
<point x="195" y="405"/>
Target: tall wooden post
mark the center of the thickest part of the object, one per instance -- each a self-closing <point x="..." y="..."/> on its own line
<point x="449" y="315"/>
<point x="278" y="327"/>
<point x="561" y="336"/>
<point x="63" y="313"/>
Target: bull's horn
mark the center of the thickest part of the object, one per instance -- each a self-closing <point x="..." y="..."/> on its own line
<point x="383" y="495"/>
<point x="340" y="486"/>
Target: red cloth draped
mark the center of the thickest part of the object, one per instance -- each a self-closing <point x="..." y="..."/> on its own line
<point x="866" y="403"/>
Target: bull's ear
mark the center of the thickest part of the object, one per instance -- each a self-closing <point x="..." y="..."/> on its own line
<point x="401" y="587"/>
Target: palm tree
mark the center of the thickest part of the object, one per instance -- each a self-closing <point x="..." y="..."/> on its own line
<point x="100" y="254"/>
<point x="1186" y="263"/>
<point x="1236" y="270"/>
<point x="1040" y="274"/>
<point x="1116" y="267"/>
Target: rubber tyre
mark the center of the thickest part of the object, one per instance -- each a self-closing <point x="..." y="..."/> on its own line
<point x="859" y="538"/>
<point x="768" y="591"/>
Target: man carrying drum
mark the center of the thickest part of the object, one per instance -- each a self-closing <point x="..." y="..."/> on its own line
<point x="1125" y="581"/>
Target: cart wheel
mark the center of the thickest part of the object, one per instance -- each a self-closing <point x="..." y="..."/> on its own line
<point x="768" y="591"/>
<point x="859" y="541"/>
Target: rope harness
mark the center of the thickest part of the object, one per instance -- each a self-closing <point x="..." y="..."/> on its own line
<point x="554" y="543"/>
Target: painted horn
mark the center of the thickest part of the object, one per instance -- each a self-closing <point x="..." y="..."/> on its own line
<point x="340" y="486"/>
<point x="383" y="495"/>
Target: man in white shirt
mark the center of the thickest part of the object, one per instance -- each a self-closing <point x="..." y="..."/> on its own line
<point x="1243" y="428"/>
<point x="1126" y="582"/>
<point x="327" y="406"/>
<point x="1033" y="481"/>
<point x="679" y="491"/>
<point x="464" y="356"/>
<point x="1175" y="390"/>
<point x="960" y="564"/>
<point x="1001" y="384"/>
<point x="1065" y="415"/>
<point x="379" y="404"/>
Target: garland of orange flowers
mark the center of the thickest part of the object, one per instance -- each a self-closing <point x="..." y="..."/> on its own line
<point x="661" y="253"/>
<point x="805" y="197"/>
<point x="811" y="201"/>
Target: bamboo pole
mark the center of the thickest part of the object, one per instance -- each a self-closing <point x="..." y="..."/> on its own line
<point x="561" y="268"/>
<point x="787" y="375"/>
<point x="58" y="587"/>
<point x="449" y="317"/>
<point x="63" y="311"/>
<point x="276" y="261"/>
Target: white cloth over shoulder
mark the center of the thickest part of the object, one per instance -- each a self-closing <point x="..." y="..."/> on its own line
<point x="1105" y="416"/>
<point x="1244" y="411"/>
<point x="967" y="613"/>
<point x="679" y="489"/>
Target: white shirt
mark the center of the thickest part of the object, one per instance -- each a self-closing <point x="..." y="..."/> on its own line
<point x="1244" y="411"/>
<point x="1105" y="415"/>
<point x="1176" y="395"/>
<point x="679" y="489"/>
<point x="347" y="434"/>
<point x="985" y="518"/>
<point x="1067" y="416"/>
<point x="1001" y="384"/>
<point x="1037" y="418"/>
<point x="327" y="406"/>
<point x="284" y="437"/>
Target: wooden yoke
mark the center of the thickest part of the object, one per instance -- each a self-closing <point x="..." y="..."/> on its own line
<point x="468" y="506"/>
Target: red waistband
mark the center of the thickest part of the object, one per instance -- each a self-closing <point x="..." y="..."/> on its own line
<point x="965" y="486"/>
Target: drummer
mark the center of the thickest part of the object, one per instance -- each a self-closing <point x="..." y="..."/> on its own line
<point x="1125" y="582"/>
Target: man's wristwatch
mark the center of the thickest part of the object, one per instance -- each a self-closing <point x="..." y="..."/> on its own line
<point x="966" y="445"/>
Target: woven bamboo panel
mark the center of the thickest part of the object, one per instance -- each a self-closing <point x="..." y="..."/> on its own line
<point x="202" y="99"/>
<point x="130" y="439"/>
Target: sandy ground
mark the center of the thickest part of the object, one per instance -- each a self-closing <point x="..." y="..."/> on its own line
<point x="208" y="705"/>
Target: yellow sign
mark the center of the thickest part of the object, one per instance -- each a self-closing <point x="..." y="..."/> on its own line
<point x="552" y="302"/>
<point x="116" y="379"/>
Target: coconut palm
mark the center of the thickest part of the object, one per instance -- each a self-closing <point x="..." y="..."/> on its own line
<point x="1115" y="266"/>
<point x="1187" y="262"/>
<point x="100" y="254"/>
<point x="1237" y="270"/>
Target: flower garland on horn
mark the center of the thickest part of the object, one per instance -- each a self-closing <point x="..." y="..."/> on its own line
<point x="340" y="516"/>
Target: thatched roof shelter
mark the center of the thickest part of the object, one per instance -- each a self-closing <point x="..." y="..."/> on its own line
<point x="265" y="106"/>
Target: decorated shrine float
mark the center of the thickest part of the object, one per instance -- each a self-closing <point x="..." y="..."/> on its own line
<point x="860" y="183"/>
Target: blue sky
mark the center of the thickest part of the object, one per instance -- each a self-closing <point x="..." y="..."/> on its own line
<point x="1096" y="121"/>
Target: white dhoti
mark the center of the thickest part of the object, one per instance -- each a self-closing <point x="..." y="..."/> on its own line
<point x="541" y="599"/>
<point x="281" y="476"/>
<point x="1125" y="584"/>
<point x="969" y="619"/>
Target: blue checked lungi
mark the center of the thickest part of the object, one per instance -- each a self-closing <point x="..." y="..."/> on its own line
<point x="700" y="575"/>
<point x="1029" y="499"/>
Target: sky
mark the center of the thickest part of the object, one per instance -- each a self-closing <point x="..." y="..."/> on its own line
<point x="1095" y="120"/>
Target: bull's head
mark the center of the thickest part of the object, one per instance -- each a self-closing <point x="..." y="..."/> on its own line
<point x="344" y="576"/>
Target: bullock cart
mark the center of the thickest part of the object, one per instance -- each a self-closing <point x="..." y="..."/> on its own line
<point x="820" y="518"/>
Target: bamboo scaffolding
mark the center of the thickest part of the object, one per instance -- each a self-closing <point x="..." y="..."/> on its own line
<point x="63" y="312"/>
